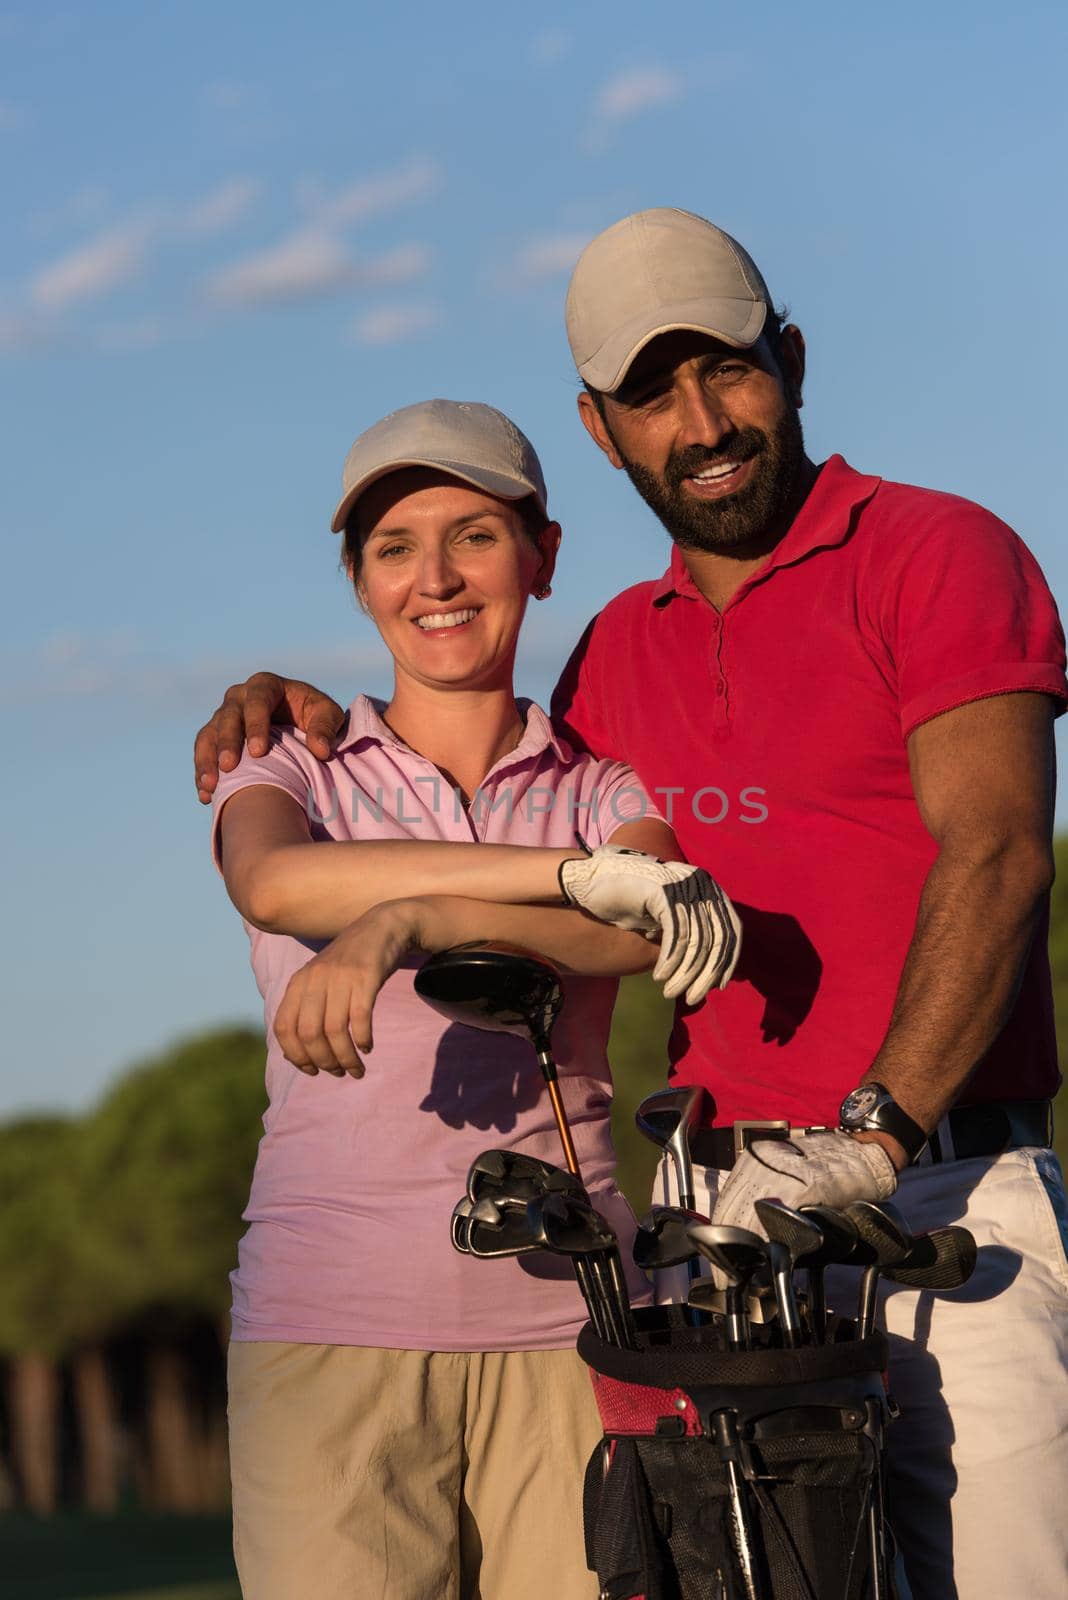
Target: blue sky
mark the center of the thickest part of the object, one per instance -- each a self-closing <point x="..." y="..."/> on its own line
<point x="234" y="235"/>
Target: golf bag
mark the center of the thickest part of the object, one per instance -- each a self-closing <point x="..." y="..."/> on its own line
<point x="736" y="1475"/>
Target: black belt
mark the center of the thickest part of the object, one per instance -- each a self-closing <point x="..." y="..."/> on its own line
<point x="982" y="1130"/>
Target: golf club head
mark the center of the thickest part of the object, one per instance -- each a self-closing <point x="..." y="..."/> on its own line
<point x="461" y="1213"/>
<point x="942" y="1259"/>
<point x="568" y="1226"/>
<point x="502" y="990"/>
<point x="512" y="1177"/>
<point x="880" y="1229"/>
<point x="669" y="1118"/>
<point x="737" y="1252"/>
<point x="801" y="1235"/>
<point x="661" y="1239"/>
<point x="842" y="1244"/>
<point x="494" y="1231"/>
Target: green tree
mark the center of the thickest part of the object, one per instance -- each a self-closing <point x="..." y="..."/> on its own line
<point x="39" y="1270"/>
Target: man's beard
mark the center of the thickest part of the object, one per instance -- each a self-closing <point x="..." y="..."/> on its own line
<point x="747" y="518"/>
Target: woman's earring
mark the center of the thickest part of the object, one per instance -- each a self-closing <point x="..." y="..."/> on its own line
<point x="544" y="592"/>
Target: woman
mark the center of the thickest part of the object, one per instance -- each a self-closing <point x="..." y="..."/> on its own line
<point x="406" y="1422"/>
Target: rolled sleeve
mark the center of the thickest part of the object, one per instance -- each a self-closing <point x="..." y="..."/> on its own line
<point x="968" y="616"/>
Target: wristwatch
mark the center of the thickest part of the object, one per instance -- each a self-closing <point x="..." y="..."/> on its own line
<point x="873" y="1109"/>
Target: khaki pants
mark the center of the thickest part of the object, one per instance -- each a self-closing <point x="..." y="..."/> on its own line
<point x="369" y="1474"/>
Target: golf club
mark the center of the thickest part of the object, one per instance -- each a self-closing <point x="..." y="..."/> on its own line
<point x="942" y="1259"/>
<point x="790" y="1237"/>
<point x="461" y="1211"/>
<point x="513" y="1171"/>
<point x="505" y="991"/>
<point x="840" y="1247"/>
<point x="662" y="1239"/>
<point x="881" y="1229"/>
<point x="571" y="1227"/>
<point x="738" y="1254"/>
<point x="669" y="1118"/>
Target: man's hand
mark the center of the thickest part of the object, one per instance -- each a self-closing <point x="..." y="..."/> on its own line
<point x="682" y="907"/>
<point x="247" y="711"/>
<point x="824" y="1169"/>
<point x="324" y="1020"/>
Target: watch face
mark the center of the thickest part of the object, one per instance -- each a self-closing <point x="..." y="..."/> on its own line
<point x="861" y="1103"/>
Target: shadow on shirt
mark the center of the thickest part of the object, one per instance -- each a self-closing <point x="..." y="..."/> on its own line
<point x="783" y="966"/>
<point x="482" y="1079"/>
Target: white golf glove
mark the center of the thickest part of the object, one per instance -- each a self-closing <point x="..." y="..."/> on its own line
<point x="823" y="1169"/>
<point x="671" y="902"/>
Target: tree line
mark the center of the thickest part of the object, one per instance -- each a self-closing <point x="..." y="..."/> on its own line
<point x="118" y="1230"/>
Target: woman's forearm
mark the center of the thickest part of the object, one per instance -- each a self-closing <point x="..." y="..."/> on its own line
<point x="568" y="938"/>
<point x="313" y="890"/>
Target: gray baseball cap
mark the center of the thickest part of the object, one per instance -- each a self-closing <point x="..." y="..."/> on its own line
<point x="468" y="441"/>
<point x="652" y="273"/>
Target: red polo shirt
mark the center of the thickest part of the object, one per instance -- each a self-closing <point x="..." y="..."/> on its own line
<point x="775" y="736"/>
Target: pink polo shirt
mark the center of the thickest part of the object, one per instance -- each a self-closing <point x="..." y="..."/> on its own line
<point x="773" y="737"/>
<point x="355" y="1180"/>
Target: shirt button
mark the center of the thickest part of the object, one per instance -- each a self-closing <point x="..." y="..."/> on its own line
<point x="721" y="687"/>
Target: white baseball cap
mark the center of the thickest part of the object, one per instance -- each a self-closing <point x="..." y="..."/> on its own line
<point x="469" y="441"/>
<point x="652" y="273"/>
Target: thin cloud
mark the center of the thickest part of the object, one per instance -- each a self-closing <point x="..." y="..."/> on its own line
<point x="370" y="197"/>
<point x="309" y="265"/>
<point x="402" y="265"/>
<point x="230" y="203"/>
<point x="385" y="325"/>
<point x="117" y="670"/>
<point x="95" y="268"/>
<point x="630" y="94"/>
<point x="119" y="255"/>
<point x="550" y="46"/>
<point x="639" y="90"/>
<point x="302" y="266"/>
<point x="11" y="115"/>
<point x="550" y="255"/>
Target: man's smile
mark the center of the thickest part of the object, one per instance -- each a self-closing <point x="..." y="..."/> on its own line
<point x="722" y="478"/>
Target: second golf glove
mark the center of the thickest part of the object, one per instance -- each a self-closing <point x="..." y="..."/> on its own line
<point x="824" y="1169"/>
<point x="681" y="906"/>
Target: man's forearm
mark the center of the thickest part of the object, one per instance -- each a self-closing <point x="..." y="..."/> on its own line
<point x="568" y="938"/>
<point x="976" y="920"/>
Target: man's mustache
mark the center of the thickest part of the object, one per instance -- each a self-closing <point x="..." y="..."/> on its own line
<point x="740" y="447"/>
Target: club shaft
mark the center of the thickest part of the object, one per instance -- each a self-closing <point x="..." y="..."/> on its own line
<point x="785" y="1299"/>
<point x="817" y="1305"/>
<point x="869" y="1284"/>
<point x="563" y="1127"/>
<point x="726" y="1430"/>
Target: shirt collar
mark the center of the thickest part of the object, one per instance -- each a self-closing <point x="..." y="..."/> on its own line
<point x="365" y="725"/>
<point x="826" y="519"/>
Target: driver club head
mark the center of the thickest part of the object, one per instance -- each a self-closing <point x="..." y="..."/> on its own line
<point x="503" y="990"/>
<point x="669" y="1118"/>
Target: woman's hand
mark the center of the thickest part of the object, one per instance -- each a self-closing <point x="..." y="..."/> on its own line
<point x="325" y="1016"/>
<point x="682" y="907"/>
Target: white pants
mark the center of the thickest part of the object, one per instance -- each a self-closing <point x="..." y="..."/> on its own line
<point x="978" y="1459"/>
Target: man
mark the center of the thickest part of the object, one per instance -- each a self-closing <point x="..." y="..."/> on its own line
<point x="843" y="692"/>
